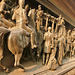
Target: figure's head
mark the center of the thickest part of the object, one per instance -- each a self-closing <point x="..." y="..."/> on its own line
<point x="21" y="3"/>
<point x="49" y="28"/>
<point x="59" y="16"/>
<point x="69" y="31"/>
<point x="27" y="7"/>
<point x="39" y="7"/>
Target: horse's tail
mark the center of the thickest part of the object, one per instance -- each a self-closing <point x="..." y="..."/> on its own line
<point x="3" y="34"/>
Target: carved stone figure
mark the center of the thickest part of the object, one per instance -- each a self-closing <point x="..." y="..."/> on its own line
<point x="73" y="42"/>
<point x="61" y="48"/>
<point x="39" y="20"/>
<point x="20" y="16"/>
<point x="32" y="17"/>
<point x="52" y="64"/>
<point x="68" y="40"/>
<point x="4" y="22"/>
<point x="64" y="39"/>
<point x="60" y="21"/>
<point x="47" y="45"/>
<point x="73" y="48"/>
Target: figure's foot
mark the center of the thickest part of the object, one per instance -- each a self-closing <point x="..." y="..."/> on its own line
<point x="7" y="70"/>
<point x="34" y="46"/>
<point x="48" y="67"/>
<point x="23" y="70"/>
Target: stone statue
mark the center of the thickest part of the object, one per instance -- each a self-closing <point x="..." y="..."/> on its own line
<point x="20" y="15"/>
<point x="47" y="45"/>
<point x="39" y="20"/>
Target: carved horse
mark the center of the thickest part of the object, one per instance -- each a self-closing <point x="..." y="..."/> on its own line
<point x="17" y="41"/>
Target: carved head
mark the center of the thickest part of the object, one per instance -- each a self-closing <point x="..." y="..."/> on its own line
<point x="21" y="3"/>
<point x="49" y="29"/>
<point x="69" y="31"/>
<point x="27" y="7"/>
<point x="39" y="7"/>
<point x="59" y="16"/>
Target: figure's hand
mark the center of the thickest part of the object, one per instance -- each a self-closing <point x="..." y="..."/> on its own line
<point x="8" y="12"/>
<point x="12" y="9"/>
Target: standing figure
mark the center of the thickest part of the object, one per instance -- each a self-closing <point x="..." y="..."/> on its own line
<point x="52" y="64"/>
<point x="39" y="20"/>
<point x="73" y="41"/>
<point x="47" y="45"/>
<point x="68" y="40"/>
<point x="64" y="39"/>
<point x="31" y="15"/>
<point x="20" y="15"/>
<point x="73" y="48"/>
<point x="61" y="49"/>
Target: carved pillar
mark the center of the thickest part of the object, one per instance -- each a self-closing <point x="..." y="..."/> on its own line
<point x="46" y="24"/>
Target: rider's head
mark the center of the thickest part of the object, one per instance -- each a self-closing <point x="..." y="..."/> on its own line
<point x="49" y="29"/>
<point x="21" y="3"/>
<point x="27" y="7"/>
<point x="39" y="7"/>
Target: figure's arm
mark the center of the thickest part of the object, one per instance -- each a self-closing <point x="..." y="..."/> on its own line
<point x="14" y="16"/>
<point x="2" y="7"/>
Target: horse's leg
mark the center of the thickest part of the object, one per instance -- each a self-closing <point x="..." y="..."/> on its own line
<point x="15" y="64"/>
<point x="17" y="61"/>
<point x="1" y="57"/>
